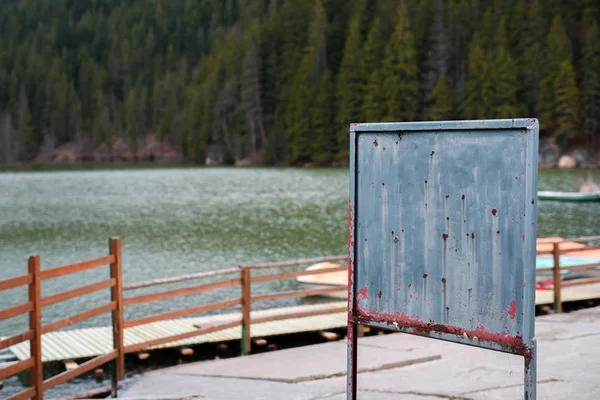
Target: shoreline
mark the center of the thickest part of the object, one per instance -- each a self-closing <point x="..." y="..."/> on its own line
<point x="125" y="165"/>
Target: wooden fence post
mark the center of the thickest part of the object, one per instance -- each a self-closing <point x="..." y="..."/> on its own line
<point x="118" y="370"/>
<point x="557" y="283"/>
<point x="36" y="372"/>
<point x="246" y="305"/>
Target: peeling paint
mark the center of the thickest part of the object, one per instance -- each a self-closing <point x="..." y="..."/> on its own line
<point x="512" y="309"/>
<point x="514" y="343"/>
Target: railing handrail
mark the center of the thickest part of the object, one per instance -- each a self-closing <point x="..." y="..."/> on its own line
<point x="293" y="263"/>
<point x="34" y="308"/>
<point x="573" y="239"/>
<point x="182" y="278"/>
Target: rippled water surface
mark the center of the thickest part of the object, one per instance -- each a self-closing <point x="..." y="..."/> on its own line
<point x="182" y="221"/>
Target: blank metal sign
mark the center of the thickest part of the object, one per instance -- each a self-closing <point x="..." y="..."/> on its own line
<point x="443" y="233"/>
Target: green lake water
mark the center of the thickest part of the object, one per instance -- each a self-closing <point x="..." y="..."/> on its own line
<point x="181" y="221"/>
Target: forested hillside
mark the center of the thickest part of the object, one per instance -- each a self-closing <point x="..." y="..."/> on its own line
<point x="281" y="80"/>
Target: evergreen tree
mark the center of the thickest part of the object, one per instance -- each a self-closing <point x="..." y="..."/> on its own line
<point x="400" y="77"/>
<point x="372" y="108"/>
<point x="478" y="87"/>
<point x="131" y="120"/>
<point x="304" y="84"/>
<point x="27" y="139"/>
<point x="349" y="89"/>
<point x="531" y="58"/>
<point x="321" y="120"/>
<point x="443" y="101"/>
<point x="554" y="73"/>
<point x="590" y="86"/>
<point x="436" y="62"/>
<point x="503" y="78"/>
<point x="566" y="111"/>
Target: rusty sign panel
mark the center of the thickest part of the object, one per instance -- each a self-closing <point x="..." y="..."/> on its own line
<point x="442" y="234"/>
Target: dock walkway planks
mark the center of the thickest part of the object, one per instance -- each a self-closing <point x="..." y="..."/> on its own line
<point x="76" y="344"/>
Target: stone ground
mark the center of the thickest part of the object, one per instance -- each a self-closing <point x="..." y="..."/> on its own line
<point x="396" y="366"/>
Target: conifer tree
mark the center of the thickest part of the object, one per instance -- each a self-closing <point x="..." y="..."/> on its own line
<point x="443" y="101"/>
<point x="478" y="87"/>
<point x="590" y="86"/>
<point x="400" y="76"/>
<point x="372" y="108"/>
<point x="27" y="139"/>
<point x="303" y="85"/>
<point x="436" y="62"/>
<point x="323" y="141"/>
<point x="555" y="72"/>
<point x="503" y="77"/>
<point x="532" y="58"/>
<point x="566" y="101"/>
<point x="349" y="88"/>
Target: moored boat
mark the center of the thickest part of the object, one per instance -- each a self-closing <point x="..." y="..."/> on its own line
<point x="568" y="196"/>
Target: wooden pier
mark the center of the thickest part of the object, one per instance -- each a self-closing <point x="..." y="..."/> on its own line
<point x="84" y="343"/>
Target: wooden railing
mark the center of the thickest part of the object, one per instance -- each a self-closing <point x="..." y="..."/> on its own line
<point x="234" y="277"/>
<point x="558" y="248"/>
<point x="35" y="306"/>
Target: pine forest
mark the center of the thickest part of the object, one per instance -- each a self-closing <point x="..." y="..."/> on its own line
<point x="278" y="82"/>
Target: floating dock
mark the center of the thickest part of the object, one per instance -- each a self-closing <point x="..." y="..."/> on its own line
<point x="74" y="344"/>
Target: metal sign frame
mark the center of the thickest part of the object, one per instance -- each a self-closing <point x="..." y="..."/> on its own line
<point x="442" y="234"/>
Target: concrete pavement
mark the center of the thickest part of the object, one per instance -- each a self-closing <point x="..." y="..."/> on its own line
<point x="396" y="366"/>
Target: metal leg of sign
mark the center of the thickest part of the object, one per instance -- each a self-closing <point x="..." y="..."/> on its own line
<point x="530" y="373"/>
<point x="351" y="368"/>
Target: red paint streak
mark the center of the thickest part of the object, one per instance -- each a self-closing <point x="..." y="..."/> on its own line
<point x="401" y="320"/>
<point x="383" y="149"/>
<point x="350" y="260"/>
<point x="354" y="124"/>
<point x="512" y="309"/>
<point x="364" y="293"/>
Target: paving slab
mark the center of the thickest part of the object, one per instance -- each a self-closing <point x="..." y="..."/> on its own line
<point x="328" y="360"/>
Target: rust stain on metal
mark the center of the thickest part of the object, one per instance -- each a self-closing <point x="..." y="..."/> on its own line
<point x="396" y="239"/>
<point x="350" y="255"/>
<point x="472" y="235"/>
<point x="480" y="334"/>
<point x="512" y="309"/>
<point x="424" y="276"/>
<point x="445" y="236"/>
<point x="375" y="143"/>
<point x="400" y="134"/>
<point x="364" y="293"/>
<point x="443" y="280"/>
<point x="494" y="212"/>
<point x="379" y="294"/>
<point x="432" y="153"/>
